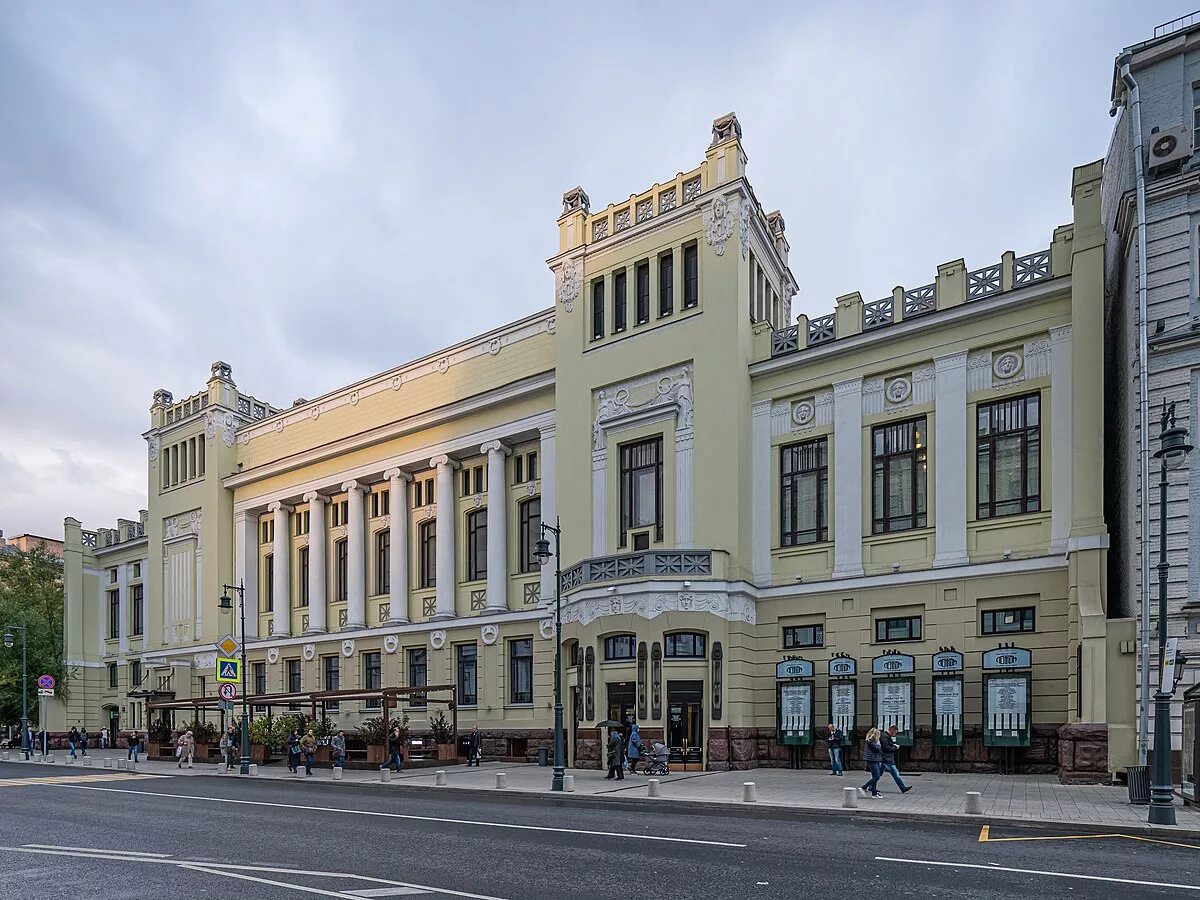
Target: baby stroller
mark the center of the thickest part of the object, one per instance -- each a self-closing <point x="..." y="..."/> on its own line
<point x="654" y="760"/>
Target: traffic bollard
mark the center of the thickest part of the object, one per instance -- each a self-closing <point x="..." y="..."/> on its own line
<point x="439" y="778"/>
<point x="974" y="803"/>
<point x="87" y="762"/>
<point x="337" y="773"/>
<point x="385" y="775"/>
<point x="501" y="780"/>
<point x="850" y="798"/>
<point x="253" y="769"/>
<point x="749" y="792"/>
<point x="122" y="764"/>
<point x="569" y="783"/>
<point x="108" y="762"/>
<point x="652" y="788"/>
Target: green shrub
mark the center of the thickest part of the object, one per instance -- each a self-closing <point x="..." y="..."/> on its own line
<point x="443" y="731"/>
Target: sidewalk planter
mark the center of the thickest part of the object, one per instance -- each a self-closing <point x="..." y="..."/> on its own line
<point x="447" y="752"/>
<point x="376" y="755"/>
<point x="259" y="754"/>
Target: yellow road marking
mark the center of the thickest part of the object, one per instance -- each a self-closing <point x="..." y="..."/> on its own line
<point x="70" y="779"/>
<point x="986" y="838"/>
<point x="983" y="833"/>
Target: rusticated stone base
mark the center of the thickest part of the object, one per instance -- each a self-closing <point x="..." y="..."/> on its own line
<point x="1083" y="753"/>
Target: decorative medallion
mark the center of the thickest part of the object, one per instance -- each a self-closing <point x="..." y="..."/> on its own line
<point x="314" y="412"/>
<point x="546" y="629"/>
<point x="529" y="489"/>
<point x="390" y="643"/>
<point x="354" y="398"/>
<point x="1007" y="365"/>
<point x="478" y="500"/>
<point x="899" y="390"/>
<point x="570" y="280"/>
<point x="397" y="380"/>
<point x="443" y="364"/>
<point x="347" y="648"/>
<point x="309" y="651"/>
<point x="718" y="225"/>
<point x="621" y="220"/>
<point x="691" y="189"/>
<point x="210" y="426"/>
<point x="600" y="230"/>
<point x="489" y="634"/>
<point x="204" y="660"/>
<point x="804" y="412"/>
<point x="551" y="325"/>
<point x="153" y="443"/>
<point x="273" y="655"/>
<point x="437" y="639"/>
<point x="667" y="201"/>
<point x="229" y="430"/>
<point x="645" y="209"/>
<point x="279" y="425"/>
<point x="492" y="347"/>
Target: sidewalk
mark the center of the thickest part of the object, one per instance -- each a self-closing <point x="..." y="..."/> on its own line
<point x="1016" y="798"/>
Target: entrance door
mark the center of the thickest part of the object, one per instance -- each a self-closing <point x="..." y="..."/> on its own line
<point x="685" y="718"/>
<point x="622" y="701"/>
<point x="114" y="726"/>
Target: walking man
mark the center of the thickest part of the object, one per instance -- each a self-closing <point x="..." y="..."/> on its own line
<point x="833" y="739"/>
<point x="133" y="747"/>
<point x="338" y="748"/>
<point x="308" y="746"/>
<point x="395" y="751"/>
<point x="889" y="746"/>
<point x="73" y="741"/>
<point x="293" y="751"/>
<point x="474" y="747"/>
<point x="83" y="740"/>
<point x="616" y="756"/>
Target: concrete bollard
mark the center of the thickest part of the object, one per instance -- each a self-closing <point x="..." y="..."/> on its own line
<point x="569" y="783"/>
<point x="749" y="792"/>
<point x="974" y="803"/>
<point x="850" y="798"/>
<point x="337" y="773"/>
<point x="652" y="788"/>
<point x="253" y="769"/>
<point x="50" y="758"/>
<point x="122" y="764"/>
<point x="220" y="767"/>
<point x="385" y="776"/>
<point x="501" y="780"/>
<point x="439" y="778"/>
<point x="108" y="762"/>
<point x="6" y="756"/>
<point x="87" y="762"/>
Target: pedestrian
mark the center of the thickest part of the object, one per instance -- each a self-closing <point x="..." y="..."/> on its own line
<point x="228" y="742"/>
<point x="103" y="738"/>
<point x="308" y="746"/>
<point x="616" y="756"/>
<point x="293" y="751"/>
<point x="83" y="740"/>
<point x="186" y="750"/>
<point x="338" y="748"/>
<point x="833" y="740"/>
<point x="873" y="757"/>
<point x="889" y="747"/>
<point x="633" y="752"/>
<point x="474" y="747"/>
<point x="73" y="741"/>
<point x="133" y="742"/>
<point x="395" y="749"/>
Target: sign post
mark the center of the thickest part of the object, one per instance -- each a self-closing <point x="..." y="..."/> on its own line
<point x="229" y="671"/>
<point x="1007" y="704"/>
<point x="794" y="705"/>
<point x="892" y="688"/>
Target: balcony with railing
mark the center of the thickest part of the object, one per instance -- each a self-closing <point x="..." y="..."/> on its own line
<point x="658" y="564"/>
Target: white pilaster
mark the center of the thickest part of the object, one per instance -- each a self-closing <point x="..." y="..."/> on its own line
<point x="447" y="576"/>
<point x="123" y="607"/>
<point x="282" y="568"/>
<point x="684" y="502"/>
<point x="761" y="501"/>
<point x="548" y="464"/>
<point x="245" y="566"/>
<point x="1061" y="436"/>
<point x="599" y="502"/>
<point x="398" y="547"/>
<point x="497" y="527"/>
<point x="318" y="607"/>
<point x="950" y="459"/>
<point x="356" y="556"/>
<point x="847" y="478"/>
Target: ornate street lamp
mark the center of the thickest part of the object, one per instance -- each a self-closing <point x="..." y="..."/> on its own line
<point x="542" y="552"/>
<point x="9" y="640"/>
<point x="227" y="605"/>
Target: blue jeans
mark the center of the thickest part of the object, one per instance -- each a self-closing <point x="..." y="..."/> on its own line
<point x="71" y="744"/>
<point x="133" y="753"/>
<point x="835" y="759"/>
<point x="872" y="785"/>
<point x="339" y="760"/>
<point x="891" y="769"/>
<point x="307" y="763"/>
<point x="396" y="762"/>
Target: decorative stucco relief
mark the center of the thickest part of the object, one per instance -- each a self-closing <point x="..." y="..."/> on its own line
<point x="672" y="387"/>
<point x="732" y="608"/>
<point x="570" y="282"/>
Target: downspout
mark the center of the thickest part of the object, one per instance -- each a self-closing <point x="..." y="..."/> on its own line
<point x="1135" y="106"/>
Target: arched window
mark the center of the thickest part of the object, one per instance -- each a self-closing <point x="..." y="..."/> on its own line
<point x="685" y="645"/>
<point x="620" y="646"/>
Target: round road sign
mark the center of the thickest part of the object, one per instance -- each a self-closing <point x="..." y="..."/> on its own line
<point x="46" y="682"/>
<point x="228" y="691"/>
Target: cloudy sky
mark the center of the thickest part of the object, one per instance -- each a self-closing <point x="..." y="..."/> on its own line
<point x="317" y="192"/>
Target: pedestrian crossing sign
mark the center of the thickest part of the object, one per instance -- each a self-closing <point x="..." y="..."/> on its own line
<point x="228" y="671"/>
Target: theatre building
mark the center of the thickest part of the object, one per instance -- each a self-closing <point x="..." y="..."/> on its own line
<point x="890" y="514"/>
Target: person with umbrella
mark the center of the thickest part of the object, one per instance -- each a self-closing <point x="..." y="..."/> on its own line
<point x="616" y="755"/>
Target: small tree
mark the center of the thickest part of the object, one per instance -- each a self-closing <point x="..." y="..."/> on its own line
<point x="443" y="731"/>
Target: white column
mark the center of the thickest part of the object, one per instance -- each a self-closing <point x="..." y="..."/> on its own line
<point x="123" y="607"/>
<point x="600" y="501"/>
<point x="318" y="605"/>
<point x="356" y="556"/>
<point x="684" y="504"/>
<point x="245" y="566"/>
<point x="761" y="500"/>
<point x="548" y="468"/>
<point x="950" y="459"/>
<point x="398" y="545"/>
<point x="447" y="576"/>
<point x="282" y="569"/>
<point x="497" y="527"/>
<point x="847" y="478"/>
<point x="1061" y="436"/>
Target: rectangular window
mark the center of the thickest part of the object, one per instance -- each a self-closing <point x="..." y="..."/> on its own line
<point x="619" y="646"/>
<point x="427" y="541"/>
<point x="518" y="469"/>
<point x="531" y="466"/>
<point x="1006" y="621"/>
<point x="477" y="544"/>
<point x="372" y="677"/>
<point x="374" y="506"/>
<point x="641" y="487"/>
<point x="135" y="674"/>
<point x="137" y="615"/>
<point x="331" y="678"/>
<point x="798" y="636"/>
<point x="480" y="481"/>
<point x="112" y="675"/>
<point x="293" y="676"/>
<point x="466" y="482"/>
<point x="468" y="692"/>
<point x="619" y="301"/>
<point x="1008" y="457"/>
<point x="385" y="503"/>
<point x="341" y="558"/>
<point x="803" y="491"/>
<point x="520" y="671"/>
<point x="302" y="576"/>
<point x="643" y="292"/>
<point x="531" y="530"/>
<point x="417" y="500"/>
<point x="666" y="284"/>
<point x="383" y="561"/>
<point x="418" y="674"/>
<point x="260" y="678"/>
<point x="114" y="614"/>
<point x="685" y="645"/>
<point x="691" y="276"/>
<point x="597" y="309"/>
<point x="137" y="570"/>
<point x="269" y="582"/>
<point x="112" y="576"/>
<point x="898" y="456"/>
<point x="905" y="629"/>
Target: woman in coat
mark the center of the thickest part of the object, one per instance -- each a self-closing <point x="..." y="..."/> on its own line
<point x="187" y="749"/>
<point x="633" y="752"/>
<point x="873" y="757"/>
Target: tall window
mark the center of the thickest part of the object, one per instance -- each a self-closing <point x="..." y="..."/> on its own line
<point x="383" y="561"/>
<point x="135" y="674"/>
<point x="531" y="529"/>
<point x="476" y="544"/>
<point x="1008" y="457"/>
<point x="418" y="673"/>
<point x="619" y="646"/>
<point x="641" y="487"/>
<point x="691" y="276"/>
<point x="331" y="678"/>
<point x="597" y="309"/>
<point x="137" y="621"/>
<point x="899" y="472"/>
<point x="112" y="675"/>
<point x="269" y="582"/>
<point x="114" y="614"/>
<point x="427" y="541"/>
<point x="372" y="677"/>
<point x="468" y="691"/>
<point x="302" y="587"/>
<point x="520" y="671"/>
<point x="666" y="284"/>
<point x="260" y="678"/>
<point x="293" y="676"/>
<point x="803" y="488"/>
<point x="685" y="645"/>
<point x="643" y="292"/>
<point x="341" y="557"/>
<point x="619" y="301"/>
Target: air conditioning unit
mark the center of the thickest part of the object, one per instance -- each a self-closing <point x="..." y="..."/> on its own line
<point x="1168" y="147"/>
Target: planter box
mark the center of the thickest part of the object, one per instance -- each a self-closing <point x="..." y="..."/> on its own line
<point x="259" y="754"/>
<point x="447" y="752"/>
<point x="376" y="755"/>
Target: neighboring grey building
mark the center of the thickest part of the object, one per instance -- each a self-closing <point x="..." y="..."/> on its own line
<point x="1166" y="71"/>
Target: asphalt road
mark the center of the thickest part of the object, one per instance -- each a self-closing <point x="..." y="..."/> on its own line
<point x="77" y="833"/>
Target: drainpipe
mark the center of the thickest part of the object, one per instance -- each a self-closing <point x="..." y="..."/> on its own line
<point x="1135" y="105"/>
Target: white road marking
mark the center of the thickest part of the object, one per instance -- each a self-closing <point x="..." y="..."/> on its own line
<point x="994" y="868"/>
<point x="283" y="884"/>
<point x="385" y="892"/>
<point x="97" y="850"/>
<point x="624" y="836"/>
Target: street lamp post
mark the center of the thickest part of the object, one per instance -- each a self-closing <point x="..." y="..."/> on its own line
<point x="227" y="604"/>
<point x="1173" y="452"/>
<point x="9" y="640"/>
<point x="542" y="552"/>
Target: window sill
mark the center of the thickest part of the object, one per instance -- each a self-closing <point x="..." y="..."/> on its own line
<point x="684" y="659"/>
<point x="799" y="549"/>
<point x="618" y="662"/>
<point x="804" y="647"/>
<point x="884" y="642"/>
<point x="528" y="705"/>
